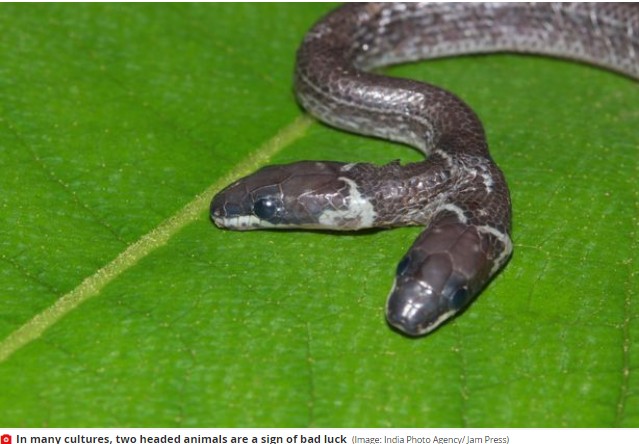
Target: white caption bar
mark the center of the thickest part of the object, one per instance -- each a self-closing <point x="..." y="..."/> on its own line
<point x="316" y="436"/>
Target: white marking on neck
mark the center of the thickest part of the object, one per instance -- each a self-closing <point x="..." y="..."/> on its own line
<point x="444" y="155"/>
<point x="504" y="239"/>
<point x="359" y="213"/>
<point x="347" y="167"/>
<point x="457" y="211"/>
<point x="488" y="180"/>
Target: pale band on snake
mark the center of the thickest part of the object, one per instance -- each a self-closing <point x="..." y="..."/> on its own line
<point x="458" y="192"/>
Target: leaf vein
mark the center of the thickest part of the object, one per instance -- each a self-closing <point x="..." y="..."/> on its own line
<point x="154" y="239"/>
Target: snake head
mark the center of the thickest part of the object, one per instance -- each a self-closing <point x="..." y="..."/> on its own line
<point x="298" y="195"/>
<point x="444" y="270"/>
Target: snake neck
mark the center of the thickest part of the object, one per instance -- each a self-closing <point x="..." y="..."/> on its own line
<point x="468" y="187"/>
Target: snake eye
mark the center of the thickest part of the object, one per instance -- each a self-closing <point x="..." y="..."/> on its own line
<point x="265" y="208"/>
<point x="460" y="298"/>
<point x="402" y="266"/>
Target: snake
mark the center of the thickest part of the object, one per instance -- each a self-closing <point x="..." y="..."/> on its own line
<point x="458" y="193"/>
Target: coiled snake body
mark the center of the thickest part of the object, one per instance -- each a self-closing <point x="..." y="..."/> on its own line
<point x="458" y="192"/>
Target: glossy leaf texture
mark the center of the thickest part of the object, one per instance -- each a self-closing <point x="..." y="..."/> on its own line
<point x="114" y="118"/>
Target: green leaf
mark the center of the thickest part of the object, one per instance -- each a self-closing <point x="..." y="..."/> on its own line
<point x="122" y="305"/>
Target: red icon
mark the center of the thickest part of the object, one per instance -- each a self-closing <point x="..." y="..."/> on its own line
<point x="5" y="439"/>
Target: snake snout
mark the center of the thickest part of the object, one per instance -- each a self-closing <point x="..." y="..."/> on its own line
<point x="231" y="209"/>
<point x="217" y="210"/>
<point x="415" y="308"/>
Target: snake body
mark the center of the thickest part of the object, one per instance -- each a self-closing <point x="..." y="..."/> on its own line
<point x="458" y="193"/>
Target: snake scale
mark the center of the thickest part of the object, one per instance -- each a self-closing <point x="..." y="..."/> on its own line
<point x="458" y="193"/>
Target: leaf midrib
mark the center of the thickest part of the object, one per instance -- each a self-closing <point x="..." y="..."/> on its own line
<point x="156" y="238"/>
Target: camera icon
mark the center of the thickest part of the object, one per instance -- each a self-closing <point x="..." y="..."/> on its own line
<point x="5" y="439"/>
